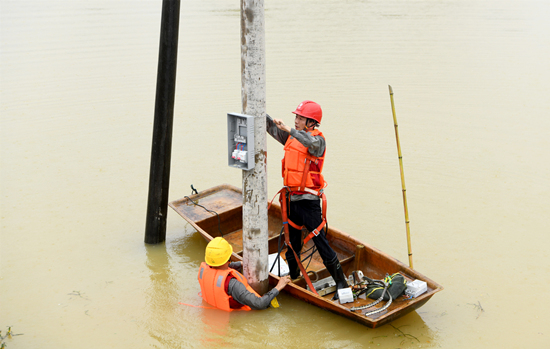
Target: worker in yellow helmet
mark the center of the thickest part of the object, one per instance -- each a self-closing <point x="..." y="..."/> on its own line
<point x="223" y="287"/>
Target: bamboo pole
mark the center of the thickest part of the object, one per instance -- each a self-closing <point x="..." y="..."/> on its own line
<point x="402" y="180"/>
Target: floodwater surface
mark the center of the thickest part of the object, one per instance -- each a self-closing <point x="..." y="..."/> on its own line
<point x="471" y="85"/>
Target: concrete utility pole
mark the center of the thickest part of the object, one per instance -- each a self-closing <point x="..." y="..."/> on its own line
<point x="161" y="150"/>
<point x="255" y="232"/>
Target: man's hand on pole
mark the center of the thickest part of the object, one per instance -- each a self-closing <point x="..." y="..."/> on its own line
<point x="281" y="125"/>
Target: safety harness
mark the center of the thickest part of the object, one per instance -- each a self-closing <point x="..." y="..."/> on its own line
<point x="284" y="197"/>
<point x="290" y="189"/>
<point x="301" y="175"/>
<point x="315" y="231"/>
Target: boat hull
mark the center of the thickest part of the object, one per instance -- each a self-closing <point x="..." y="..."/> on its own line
<point x="226" y="201"/>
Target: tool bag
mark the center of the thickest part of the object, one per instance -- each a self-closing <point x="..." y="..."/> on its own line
<point x="397" y="286"/>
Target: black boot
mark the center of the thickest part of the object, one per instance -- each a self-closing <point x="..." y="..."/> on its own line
<point x="293" y="267"/>
<point x="335" y="270"/>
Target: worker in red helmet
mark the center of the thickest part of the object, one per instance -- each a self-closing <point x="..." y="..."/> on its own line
<point x="305" y="148"/>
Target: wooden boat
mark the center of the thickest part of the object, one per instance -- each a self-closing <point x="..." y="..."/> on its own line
<point x="226" y="201"/>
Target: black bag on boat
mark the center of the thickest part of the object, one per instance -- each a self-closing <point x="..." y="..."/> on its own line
<point x="398" y="285"/>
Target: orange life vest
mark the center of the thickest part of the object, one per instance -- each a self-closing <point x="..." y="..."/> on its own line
<point x="301" y="170"/>
<point x="212" y="282"/>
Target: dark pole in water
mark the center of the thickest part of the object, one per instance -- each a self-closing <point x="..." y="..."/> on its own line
<point x="159" y="177"/>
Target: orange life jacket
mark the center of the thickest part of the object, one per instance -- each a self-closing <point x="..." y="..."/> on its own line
<point x="301" y="170"/>
<point x="212" y="282"/>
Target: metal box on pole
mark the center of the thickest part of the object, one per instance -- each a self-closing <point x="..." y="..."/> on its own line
<point x="240" y="141"/>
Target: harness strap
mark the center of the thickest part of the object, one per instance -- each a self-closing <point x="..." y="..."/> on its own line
<point x="324" y="198"/>
<point x="305" y="175"/>
<point x="317" y="231"/>
<point x="308" y="190"/>
<point x="294" y="225"/>
<point x="284" y="213"/>
<point x="279" y="192"/>
<point x="282" y="198"/>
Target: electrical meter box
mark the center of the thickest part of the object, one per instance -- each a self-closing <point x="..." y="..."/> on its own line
<point x="240" y="141"/>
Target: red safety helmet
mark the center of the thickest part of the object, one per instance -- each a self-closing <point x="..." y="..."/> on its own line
<point x="309" y="109"/>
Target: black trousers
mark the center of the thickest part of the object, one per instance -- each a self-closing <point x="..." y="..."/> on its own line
<point x="309" y="214"/>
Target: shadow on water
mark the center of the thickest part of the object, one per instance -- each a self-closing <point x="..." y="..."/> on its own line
<point x="410" y="330"/>
<point x="187" y="249"/>
<point x="328" y="330"/>
<point x="160" y="293"/>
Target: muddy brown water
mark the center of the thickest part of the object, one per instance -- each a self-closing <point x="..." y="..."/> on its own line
<point x="471" y="84"/>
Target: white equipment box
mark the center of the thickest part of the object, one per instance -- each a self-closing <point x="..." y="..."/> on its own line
<point x="345" y="295"/>
<point x="416" y="288"/>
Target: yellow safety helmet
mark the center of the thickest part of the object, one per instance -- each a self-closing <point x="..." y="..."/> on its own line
<point x="218" y="252"/>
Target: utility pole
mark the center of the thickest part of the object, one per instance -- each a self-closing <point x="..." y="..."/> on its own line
<point x="255" y="232"/>
<point x="161" y="150"/>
